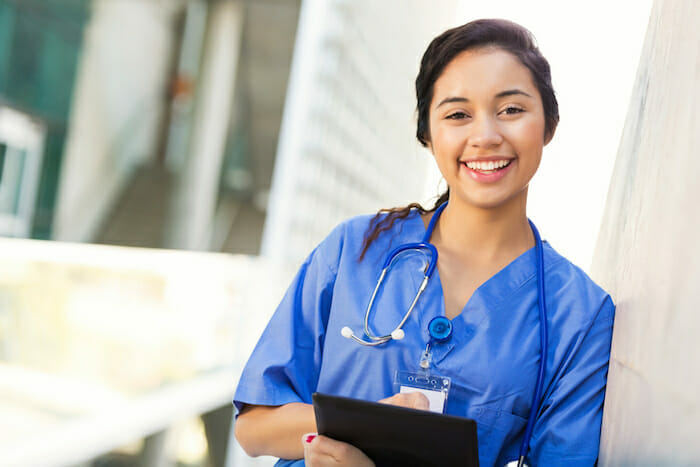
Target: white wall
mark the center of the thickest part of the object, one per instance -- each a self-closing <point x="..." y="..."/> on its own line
<point x="593" y="48"/>
<point x="116" y="106"/>
<point x="647" y="256"/>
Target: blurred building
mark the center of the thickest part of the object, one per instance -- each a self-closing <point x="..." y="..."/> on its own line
<point x="40" y="48"/>
<point x="163" y="119"/>
<point x="161" y="116"/>
<point x="171" y="120"/>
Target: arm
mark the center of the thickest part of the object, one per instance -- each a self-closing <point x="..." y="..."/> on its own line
<point x="275" y="388"/>
<point x="275" y="430"/>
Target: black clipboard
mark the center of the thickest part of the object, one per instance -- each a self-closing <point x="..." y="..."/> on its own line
<point x="391" y="435"/>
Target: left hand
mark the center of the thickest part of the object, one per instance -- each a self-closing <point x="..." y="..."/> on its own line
<point x="322" y="451"/>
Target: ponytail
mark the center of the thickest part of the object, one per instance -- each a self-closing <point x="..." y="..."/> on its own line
<point x="380" y="224"/>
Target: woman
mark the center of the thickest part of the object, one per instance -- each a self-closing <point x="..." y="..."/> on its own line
<point x="486" y="109"/>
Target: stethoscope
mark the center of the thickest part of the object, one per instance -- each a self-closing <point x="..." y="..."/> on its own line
<point x="440" y="328"/>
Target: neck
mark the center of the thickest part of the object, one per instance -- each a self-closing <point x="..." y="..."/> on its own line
<point x="484" y="234"/>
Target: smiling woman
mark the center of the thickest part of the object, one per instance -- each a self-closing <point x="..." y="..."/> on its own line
<point x="532" y="379"/>
<point x="487" y="126"/>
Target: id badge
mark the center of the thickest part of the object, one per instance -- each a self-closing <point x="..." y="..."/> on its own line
<point x="434" y="387"/>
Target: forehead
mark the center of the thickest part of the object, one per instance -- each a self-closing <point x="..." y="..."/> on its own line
<point x="483" y="73"/>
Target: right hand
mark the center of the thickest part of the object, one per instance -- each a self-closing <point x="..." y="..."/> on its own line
<point x="410" y="400"/>
<point x="320" y="451"/>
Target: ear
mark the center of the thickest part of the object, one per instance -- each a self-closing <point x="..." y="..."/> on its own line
<point x="428" y="143"/>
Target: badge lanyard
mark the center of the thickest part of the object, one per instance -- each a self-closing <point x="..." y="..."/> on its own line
<point x="436" y="388"/>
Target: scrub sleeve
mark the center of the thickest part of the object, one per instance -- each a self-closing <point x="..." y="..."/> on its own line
<point x="285" y="365"/>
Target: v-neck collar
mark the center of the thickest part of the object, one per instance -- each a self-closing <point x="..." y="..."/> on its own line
<point x="488" y="297"/>
<point x="499" y="286"/>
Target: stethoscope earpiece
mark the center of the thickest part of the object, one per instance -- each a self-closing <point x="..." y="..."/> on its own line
<point x="346" y="332"/>
<point x="398" y="334"/>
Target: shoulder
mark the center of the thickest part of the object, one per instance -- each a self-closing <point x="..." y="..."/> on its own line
<point x="345" y="234"/>
<point x="347" y="238"/>
<point x="355" y="227"/>
<point x="358" y="225"/>
<point x="574" y="291"/>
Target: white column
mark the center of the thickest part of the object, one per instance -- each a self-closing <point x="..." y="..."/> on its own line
<point x="195" y="200"/>
<point x="115" y="111"/>
<point x="300" y="91"/>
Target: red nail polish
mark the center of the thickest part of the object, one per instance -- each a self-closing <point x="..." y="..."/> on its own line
<point x="310" y="438"/>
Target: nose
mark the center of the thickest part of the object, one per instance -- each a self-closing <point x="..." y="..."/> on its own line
<point x="485" y="133"/>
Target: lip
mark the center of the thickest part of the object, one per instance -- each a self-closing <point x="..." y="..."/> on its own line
<point x="487" y="178"/>
<point x="487" y="159"/>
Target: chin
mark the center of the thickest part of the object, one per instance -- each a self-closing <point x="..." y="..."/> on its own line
<point x="493" y="201"/>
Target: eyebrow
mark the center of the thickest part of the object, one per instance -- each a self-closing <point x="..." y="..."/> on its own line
<point x="512" y="92"/>
<point x="506" y="93"/>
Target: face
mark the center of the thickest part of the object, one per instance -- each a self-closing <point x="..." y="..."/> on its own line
<point x="487" y="128"/>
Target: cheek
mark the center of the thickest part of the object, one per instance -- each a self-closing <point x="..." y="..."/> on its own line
<point x="446" y="137"/>
<point x="529" y="136"/>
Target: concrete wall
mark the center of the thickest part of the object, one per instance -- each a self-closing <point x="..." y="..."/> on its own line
<point x="116" y="108"/>
<point x="646" y="255"/>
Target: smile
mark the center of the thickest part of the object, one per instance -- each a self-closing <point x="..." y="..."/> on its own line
<point x="488" y="167"/>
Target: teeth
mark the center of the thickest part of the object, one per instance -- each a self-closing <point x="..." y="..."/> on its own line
<point x="490" y="165"/>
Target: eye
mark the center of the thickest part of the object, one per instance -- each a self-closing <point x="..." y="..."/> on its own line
<point x="512" y="110"/>
<point x="459" y="115"/>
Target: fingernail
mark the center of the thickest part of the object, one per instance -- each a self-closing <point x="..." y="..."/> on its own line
<point x="309" y="438"/>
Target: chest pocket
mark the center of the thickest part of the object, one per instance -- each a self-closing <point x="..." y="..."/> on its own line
<point x="499" y="433"/>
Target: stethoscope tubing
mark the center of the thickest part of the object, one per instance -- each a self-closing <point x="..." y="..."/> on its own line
<point x="424" y="245"/>
<point x="541" y="302"/>
<point x="376" y="340"/>
<point x="430" y="267"/>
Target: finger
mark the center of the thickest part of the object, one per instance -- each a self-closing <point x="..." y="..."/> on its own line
<point x="306" y="440"/>
<point x="399" y="399"/>
<point x="320" y="451"/>
<point x="419" y="400"/>
<point x="327" y="451"/>
<point x="338" y="450"/>
<point x="411" y="400"/>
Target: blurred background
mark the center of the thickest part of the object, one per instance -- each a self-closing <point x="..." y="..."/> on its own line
<point x="165" y="165"/>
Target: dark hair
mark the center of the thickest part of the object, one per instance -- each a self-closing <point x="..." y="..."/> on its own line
<point x="498" y="33"/>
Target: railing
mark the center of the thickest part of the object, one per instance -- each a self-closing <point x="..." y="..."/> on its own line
<point x="101" y="345"/>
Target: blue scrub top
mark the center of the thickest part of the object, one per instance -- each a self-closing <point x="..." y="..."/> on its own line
<point x="492" y="357"/>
